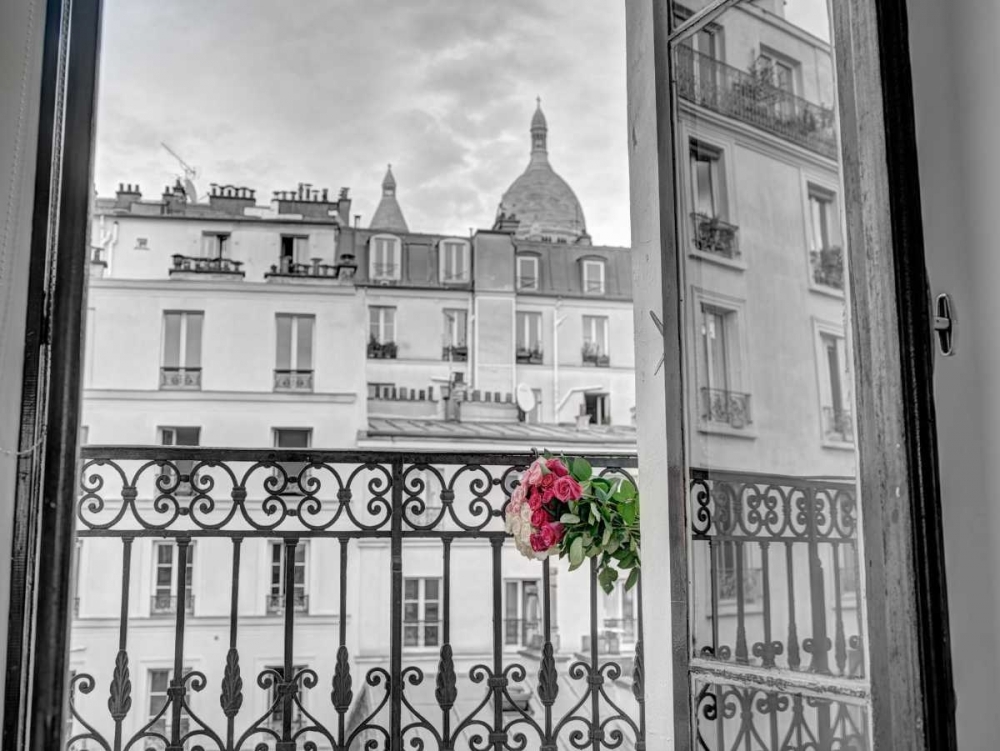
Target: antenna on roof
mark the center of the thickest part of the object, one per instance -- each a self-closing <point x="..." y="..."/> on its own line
<point x="190" y="173"/>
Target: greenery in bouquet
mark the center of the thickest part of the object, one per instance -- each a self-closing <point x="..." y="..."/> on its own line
<point x="560" y="507"/>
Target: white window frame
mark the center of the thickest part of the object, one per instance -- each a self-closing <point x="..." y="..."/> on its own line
<point x="822" y="331"/>
<point x="293" y="356"/>
<point x="588" y="267"/>
<point x="276" y="590"/>
<point x="523" y="321"/>
<point x="171" y="591"/>
<point x="522" y="278"/>
<point x="453" y="253"/>
<point x="595" y="331"/>
<point x="274" y="718"/>
<point x="775" y="59"/>
<point x="382" y="313"/>
<point x="737" y="357"/>
<point x="168" y="437"/>
<point x="215" y="245"/>
<point x="300" y="249"/>
<point x="165" y="718"/>
<point x="385" y="269"/>
<point x="716" y="155"/>
<point x="520" y="585"/>
<point x="185" y="318"/>
<point x="421" y="624"/>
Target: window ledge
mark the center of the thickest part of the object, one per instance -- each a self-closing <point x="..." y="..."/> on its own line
<point x="822" y="289"/>
<point x="718" y="260"/>
<point x="714" y="428"/>
<point x="838" y="445"/>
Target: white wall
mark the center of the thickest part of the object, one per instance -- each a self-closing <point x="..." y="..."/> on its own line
<point x="20" y="76"/>
<point x="955" y="65"/>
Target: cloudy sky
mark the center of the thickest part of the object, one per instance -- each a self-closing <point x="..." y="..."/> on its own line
<point x="269" y="93"/>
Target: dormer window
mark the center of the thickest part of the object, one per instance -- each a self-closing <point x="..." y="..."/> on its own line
<point x="384" y="258"/>
<point x="593" y="276"/>
<point x="454" y="261"/>
<point x="527" y="273"/>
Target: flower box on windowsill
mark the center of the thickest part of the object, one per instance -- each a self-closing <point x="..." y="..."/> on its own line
<point x="828" y="268"/>
<point x="381" y="350"/>
<point x="728" y="408"/>
<point x="529" y="356"/>
<point x="715" y="237"/>
<point x="593" y="356"/>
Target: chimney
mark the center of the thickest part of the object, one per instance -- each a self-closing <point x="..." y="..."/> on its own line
<point x="127" y="194"/>
<point x="174" y="199"/>
<point x="344" y="206"/>
<point x="309" y="202"/>
<point x="357" y="221"/>
<point x="231" y="199"/>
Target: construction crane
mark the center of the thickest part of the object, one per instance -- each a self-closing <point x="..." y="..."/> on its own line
<point x="190" y="173"/>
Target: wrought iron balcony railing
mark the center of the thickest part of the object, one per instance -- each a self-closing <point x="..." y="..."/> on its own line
<point x="314" y="270"/>
<point x="381" y="350"/>
<point x="180" y="378"/>
<point x="455" y="352"/>
<point x="293" y="380"/>
<point x="196" y="265"/>
<point x="712" y="235"/>
<point x="724" y="407"/>
<point x="838" y="425"/>
<point x="353" y="501"/>
<point x="592" y="354"/>
<point x="751" y="97"/>
<point x="532" y="356"/>
<point x="167" y="604"/>
<point x="828" y="267"/>
<point x="276" y="603"/>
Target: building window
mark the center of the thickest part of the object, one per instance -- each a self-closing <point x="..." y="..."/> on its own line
<point x="384" y="258"/>
<point x="183" y="474"/>
<point x="381" y="332"/>
<point x="734" y="559"/>
<point x="527" y="273"/>
<point x="718" y="357"/>
<point x="456" y="324"/>
<point x="712" y="234"/>
<point x="294" y="364"/>
<point x="421" y="612"/>
<point x="164" y="599"/>
<point x="381" y="390"/>
<point x="276" y="595"/>
<point x="454" y="256"/>
<point x="838" y="423"/>
<point x="277" y="717"/>
<point x="534" y="415"/>
<point x="529" y="337"/>
<point x="779" y="71"/>
<point x="294" y="252"/>
<point x="522" y="613"/>
<point x="598" y="406"/>
<point x="159" y="683"/>
<point x="215" y="245"/>
<point x="595" y="341"/>
<point x="593" y="277"/>
<point x="825" y="255"/>
<point x="621" y="619"/>
<point x="296" y="475"/>
<point x="142" y="243"/>
<point x="181" y="368"/>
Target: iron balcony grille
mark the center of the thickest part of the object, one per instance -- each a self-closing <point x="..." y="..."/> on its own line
<point x="381" y="350"/>
<point x="838" y="425"/>
<point x="828" y="267"/>
<point x="455" y="353"/>
<point x="714" y="236"/>
<point x="315" y="270"/>
<point x="530" y="355"/>
<point x="353" y="497"/>
<point x="751" y="97"/>
<point x="276" y="603"/>
<point x="724" y="407"/>
<point x="293" y="380"/>
<point x="180" y="378"/>
<point x="196" y="265"/>
<point x="167" y="604"/>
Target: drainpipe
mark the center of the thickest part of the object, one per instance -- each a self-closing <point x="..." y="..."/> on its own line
<point x="557" y="321"/>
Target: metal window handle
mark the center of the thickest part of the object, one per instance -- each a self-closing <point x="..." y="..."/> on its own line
<point x="944" y="320"/>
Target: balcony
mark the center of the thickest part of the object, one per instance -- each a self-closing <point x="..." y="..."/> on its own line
<point x="192" y="267"/>
<point x="714" y="236"/>
<point x="381" y="350"/>
<point x="396" y="698"/>
<point x="723" y="407"/>
<point x="276" y="603"/>
<point x="838" y="425"/>
<point x="594" y="354"/>
<point x="300" y="381"/>
<point x="530" y="356"/>
<point x="828" y="267"/>
<point x="165" y="605"/>
<point x="455" y="353"/>
<point x="180" y="379"/>
<point x="288" y="272"/>
<point x="751" y="97"/>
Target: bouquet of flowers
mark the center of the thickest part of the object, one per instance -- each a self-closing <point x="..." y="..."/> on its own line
<point x="560" y="507"/>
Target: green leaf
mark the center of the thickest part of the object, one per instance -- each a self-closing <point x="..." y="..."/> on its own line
<point x="625" y="491"/>
<point x="607" y="578"/>
<point x="628" y="512"/>
<point x="607" y="537"/>
<point x="576" y="552"/>
<point x="569" y="519"/>
<point x="633" y="579"/>
<point x="581" y="469"/>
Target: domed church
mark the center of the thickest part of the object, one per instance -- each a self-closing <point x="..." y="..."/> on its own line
<point x="539" y="205"/>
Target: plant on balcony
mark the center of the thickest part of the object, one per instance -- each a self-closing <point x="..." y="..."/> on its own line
<point x="381" y="350"/>
<point x="828" y="267"/>
<point x="560" y="507"/>
<point x="531" y="355"/>
<point x="594" y="354"/>
<point x="713" y="235"/>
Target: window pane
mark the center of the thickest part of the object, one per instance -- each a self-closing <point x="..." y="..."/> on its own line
<point x="305" y="343"/>
<point x="411" y="589"/>
<point x="284" y="336"/>
<point x="431" y="589"/>
<point x="171" y="340"/>
<point x="411" y="611"/>
<point x="193" y="343"/>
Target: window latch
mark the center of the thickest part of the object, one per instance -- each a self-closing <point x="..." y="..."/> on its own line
<point x="944" y="320"/>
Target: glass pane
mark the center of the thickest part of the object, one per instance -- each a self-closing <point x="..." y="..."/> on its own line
<point x="284" y="339"/>
<point x="171" y="340"/>
<point x="192" y="349"/>
<point x="431" y="589"/>
<point x="773" y="501"/>
<point x="411" y="589"/>
<point x="304" y="343"/>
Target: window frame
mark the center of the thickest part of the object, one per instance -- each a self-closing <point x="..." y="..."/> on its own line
<point x="183" y="333"/>
<point x="523" y="328"/>
<point x="454" y="249"/>
<point x="519" y="277"/>
<point x="422" y="624"/>
<point x="590" y="330"/>
<point x="382" y="325"/>
<point x="385" y="270"/>
<point x="219" y="242"/>
<point x="275" y="717"/>
<point x="293" y="343"/>
<point x="587" y="283"/>
<point x="738" y="374"/>
<point x="171" y="591"/>
<point x="519" y="602"/>
<point x="827" y="330"/>
<point x="299" y="247"/>
<point x="275" y="604"/>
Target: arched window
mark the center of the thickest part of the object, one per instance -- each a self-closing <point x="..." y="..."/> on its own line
<point x="384" y="258"/>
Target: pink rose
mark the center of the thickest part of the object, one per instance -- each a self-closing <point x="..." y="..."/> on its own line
<point x="538" y="543"/>
<point x="516" y="499"/>
<point x="557" y="467"/>
<point x="548" y="494"/>
<point x="547" y="481"/>
<point x="535" y="499"/>
<point x="551" y="533"/>
<point x="540" y="517"/>
<point x="533" y="475"/>
<point x="567" y="489"/>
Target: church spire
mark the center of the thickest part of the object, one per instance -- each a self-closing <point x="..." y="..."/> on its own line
<point x="388" y="214"/>
<point x="539" y="131"/>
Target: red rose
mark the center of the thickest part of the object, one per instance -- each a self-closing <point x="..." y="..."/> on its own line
<point x="551" y="534"/>
<point x="540" y="517"/>
<point x="535" y="500"/>
<point x="547" y="481"/>
<point x="556" y="467"/>
<point x="567" y="489"/>
<point x="538" y="543"/>
<point x="548" y="494"/>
